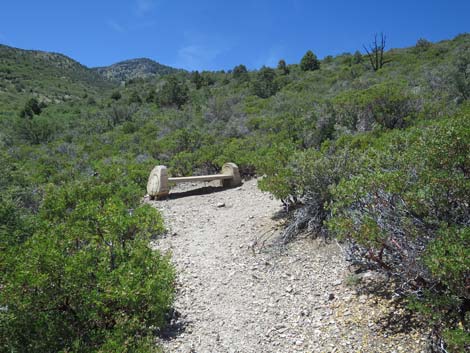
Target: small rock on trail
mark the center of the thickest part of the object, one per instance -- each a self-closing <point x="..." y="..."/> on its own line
<point x="239" y="290"/>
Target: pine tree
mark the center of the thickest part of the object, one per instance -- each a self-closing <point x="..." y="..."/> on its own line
<point x="309" y="62"/>
<point x="31" y="108"/>
<point x="240" y="73"/>
<point x="265" y="84"/>
<point x="357" y="59"/>
<point x="282" y="67"/>
<point x="197" y="79"/>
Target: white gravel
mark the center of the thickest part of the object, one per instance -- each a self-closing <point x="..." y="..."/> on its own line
<point x="238" y="290"/>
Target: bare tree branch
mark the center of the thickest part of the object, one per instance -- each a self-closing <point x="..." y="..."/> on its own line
<point x="375" y="52"/>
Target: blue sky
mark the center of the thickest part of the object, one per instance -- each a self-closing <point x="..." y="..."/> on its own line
<point x="219" y="34"/>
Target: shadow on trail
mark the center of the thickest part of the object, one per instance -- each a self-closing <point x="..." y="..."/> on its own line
<point x="401" y="319"/>
<point x="175" y="326"/>
<point x="206" y="190"/>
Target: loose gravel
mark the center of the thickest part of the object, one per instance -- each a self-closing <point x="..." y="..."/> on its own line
<point x="240" y="290"/>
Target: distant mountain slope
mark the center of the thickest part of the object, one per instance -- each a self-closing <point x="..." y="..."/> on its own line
<point x="134" y="68"/>
<point x="47" y="63"/>
<point x="50" y="77"/>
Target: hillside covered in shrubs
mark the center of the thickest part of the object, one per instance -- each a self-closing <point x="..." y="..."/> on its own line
<point x="372" y="149"/>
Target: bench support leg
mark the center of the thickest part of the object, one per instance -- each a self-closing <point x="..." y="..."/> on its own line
<point x="232" y="170"/>
<point x="157" y="185"/>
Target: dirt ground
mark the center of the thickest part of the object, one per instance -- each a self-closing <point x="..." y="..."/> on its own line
<point x="240" y="290"/>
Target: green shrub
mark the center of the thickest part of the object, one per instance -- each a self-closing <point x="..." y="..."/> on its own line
<point x="422" y="45"/>
<point x="86" y="280"/>
<point x="15" y="224"/>
<point x="118" y="114"/>
<point x="39" y="129"/>
<point x="273" y="163"/>
<point x="240" y="73"/>
<point x="357" y="58"/>
<point x="174" y="92"/>
<point x="135" y="98"/>
<point x="265" y="84"/>
<point x="400" y="200"/>
<point x="461" y="73"/>
<point x="448" y="259"/>
<point x="116" y="95"/>
<point x="31" y="108"/>
<point x="407" y="214"/>
<point x="388" y="106"/>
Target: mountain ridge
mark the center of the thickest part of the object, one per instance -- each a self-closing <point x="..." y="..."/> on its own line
<point x="119" y="71"/>
<point x="134" y="68"/>
<point x="56" y="77"/>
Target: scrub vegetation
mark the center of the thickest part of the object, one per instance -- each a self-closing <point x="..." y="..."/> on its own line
<point x="374" y="153"/>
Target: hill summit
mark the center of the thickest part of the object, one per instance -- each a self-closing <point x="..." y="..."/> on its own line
<point x="134" y="68"/>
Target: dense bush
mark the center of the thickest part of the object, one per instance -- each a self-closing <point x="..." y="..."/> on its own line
<point x="118" y="114"/>
<point x="240" y="73"/>
<point x="409" y="216"/>
<point x="173" y="93"/>
<point x="265" y="84"/>
<point x="116" y="95"/>
<point x="197" y="79"/>
<point x="31" y="108"/>
<point x="16" y="226"/>
<point x="86" y="280"/>
<point x="387" y="106"/>
<point x="401" y="201"/>
<point x="422" y="45"/>
<point x="461" y="73"/>
<point x="37" y="130"/>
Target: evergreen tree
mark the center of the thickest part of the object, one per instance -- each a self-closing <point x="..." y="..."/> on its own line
<point x="309" y="62"/>
<point x="265" y="85"/>
<point x="282" y="67"/>
<point x="31" y="108"/>
<point x="422" y="45"/>
<point x="135" y="98"/>
<point x="357" y="59"/>
<point x="240" y="73"/>
<point x="116" y="95"/>
<point x="151" y="96"/>
<point x="174" y="92"/>
<point x="197" y="79"/>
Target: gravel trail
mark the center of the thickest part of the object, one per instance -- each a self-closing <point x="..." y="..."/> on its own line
<point x="238" y="290"/>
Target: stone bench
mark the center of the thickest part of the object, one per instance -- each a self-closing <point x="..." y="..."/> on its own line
<point x="158" y="184"/>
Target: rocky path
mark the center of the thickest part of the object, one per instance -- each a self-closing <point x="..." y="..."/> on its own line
<point x="240" y="291"/>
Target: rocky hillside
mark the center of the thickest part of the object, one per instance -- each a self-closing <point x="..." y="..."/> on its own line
<point x="134" y="68"/>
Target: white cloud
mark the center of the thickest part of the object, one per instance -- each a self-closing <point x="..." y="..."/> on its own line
<point x="115" y="26"/>
<point x="135" y="22"/>
<point x="130" y="27"/>
<point x="200" y="51"/>
<point x="274" y="55"/>
<point x="272" y="58"/>
<point x="142" y="25"/>
<point x="197" y="57"/>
